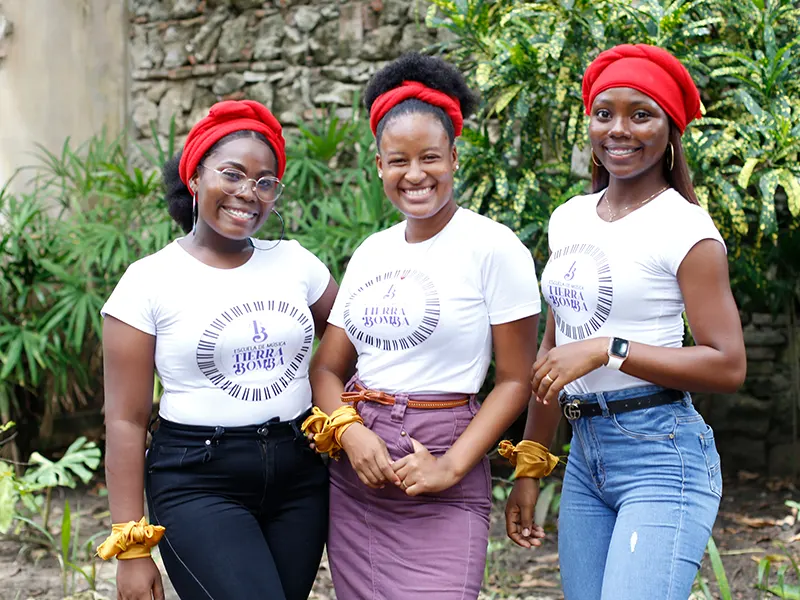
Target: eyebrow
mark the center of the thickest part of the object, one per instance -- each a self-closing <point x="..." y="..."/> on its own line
<point x="242" y="168"/>
<point x="423" y="151"/>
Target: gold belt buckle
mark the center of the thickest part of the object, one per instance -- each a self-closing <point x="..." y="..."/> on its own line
<point x="572" y="410"/>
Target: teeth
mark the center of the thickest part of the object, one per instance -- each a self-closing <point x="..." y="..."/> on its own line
<point x="240" y="214"/>
<point x="621" y="151"/>
<point x="418" y="193"/>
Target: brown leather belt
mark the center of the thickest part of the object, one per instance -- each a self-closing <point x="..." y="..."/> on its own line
<point x="362" y="394"/>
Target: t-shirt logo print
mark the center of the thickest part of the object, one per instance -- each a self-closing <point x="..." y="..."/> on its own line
<point x="253" y="351"/>
<point x="582" y="296"/>
<point x="396" y="310"/>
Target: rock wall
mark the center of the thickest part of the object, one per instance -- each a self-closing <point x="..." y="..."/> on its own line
<point x="754" y="428"/>
<point x="293" y="56"/>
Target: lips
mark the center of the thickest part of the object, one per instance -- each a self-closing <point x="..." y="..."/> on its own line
<point x="417" y="194"/>
<point x="621" y="151"/>
<point x="239" y="214"/>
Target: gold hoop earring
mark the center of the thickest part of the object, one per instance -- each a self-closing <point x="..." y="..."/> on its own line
<point x="671" y="156"/>
<point x="594" y="160"/>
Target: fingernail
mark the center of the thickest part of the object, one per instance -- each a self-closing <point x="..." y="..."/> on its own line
<point x="526" y="532"/>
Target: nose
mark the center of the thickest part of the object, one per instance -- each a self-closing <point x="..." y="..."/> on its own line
<point x="248" y="191"/>
<point x="415" y="174"/>
<point x="619" y="127"/>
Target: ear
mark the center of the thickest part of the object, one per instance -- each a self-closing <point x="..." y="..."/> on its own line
<point x="379" y="164"/>
<point x="194" y="182"/>
<point x="454" y="153"/>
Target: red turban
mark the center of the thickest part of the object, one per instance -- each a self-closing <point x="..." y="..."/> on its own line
<point x="650" y="70"/>
<point x="414" y="89"/>
<point x="225" y="118"/>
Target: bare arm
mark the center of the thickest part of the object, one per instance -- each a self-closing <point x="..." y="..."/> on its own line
<point x="129" y="367"/>
<point x="514" y="349"/>
<point x="331" y="367"/>
<point x="543" y="419"/>
<point x="716" y="364"/>
<point x="321" y="309"/>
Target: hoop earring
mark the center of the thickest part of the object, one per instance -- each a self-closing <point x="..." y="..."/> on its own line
<point x="671" y="156"/>
<point x="594" y="160"/>
<point x="283" y="230"/>
<point x="194" y="213"/>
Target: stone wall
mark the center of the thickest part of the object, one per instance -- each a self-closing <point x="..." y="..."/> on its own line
<point x="754" y="428"/>
<point x="295" y="57"/>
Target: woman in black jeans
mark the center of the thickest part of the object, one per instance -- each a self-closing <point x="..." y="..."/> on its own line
<point x="228" y="322"/>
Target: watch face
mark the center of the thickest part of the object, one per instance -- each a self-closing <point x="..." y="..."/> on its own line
<point x="619" y="347"/>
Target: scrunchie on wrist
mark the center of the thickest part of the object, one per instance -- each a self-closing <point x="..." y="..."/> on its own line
<point x="328" y="430"/>
<point x="531" y="459"/>
<point x="130" y="540"/>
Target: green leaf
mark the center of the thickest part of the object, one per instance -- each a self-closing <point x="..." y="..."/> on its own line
<point x="8" y="497"/>
<point x="747" y="172"/>
<point x="80" y="459"/>
<point x="66" y="531"/>
<point x="719" y="570"/>
<point x="767" y="184"/>
<point x="791" y="185"/>
<point x="506" y="98"/>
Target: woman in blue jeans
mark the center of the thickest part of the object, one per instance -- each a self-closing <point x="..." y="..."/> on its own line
<point x="643" y="484"/>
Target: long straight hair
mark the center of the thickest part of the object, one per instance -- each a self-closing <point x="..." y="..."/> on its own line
<point x="678" y="177"/>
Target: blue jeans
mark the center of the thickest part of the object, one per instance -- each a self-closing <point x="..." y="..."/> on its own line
<point x="641" y="493"/>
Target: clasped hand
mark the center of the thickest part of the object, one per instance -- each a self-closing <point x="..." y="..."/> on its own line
<point x="416" y="473"/>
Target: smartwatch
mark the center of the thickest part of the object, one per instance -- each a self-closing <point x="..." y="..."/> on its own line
<point x="617" y="352"/>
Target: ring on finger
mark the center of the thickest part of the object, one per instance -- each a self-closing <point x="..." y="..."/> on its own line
<point x="548" y="379"/>
<point x="403" y="485"/>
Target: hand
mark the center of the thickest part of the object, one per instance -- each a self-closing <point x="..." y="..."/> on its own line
<point x="139" y="579"/>
<point x="423" y="473"/>
<point x="368" y="455"/>
<point x="564" y="364"/>
<point x="519" y="513"/>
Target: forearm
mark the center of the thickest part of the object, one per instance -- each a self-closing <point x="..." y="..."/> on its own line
<point x="500" y="409"/>
<point x="327" y="388"/>
<point x="693" y="369"/>
<point x="542" y="422"/>
<point x="125" y="447"/>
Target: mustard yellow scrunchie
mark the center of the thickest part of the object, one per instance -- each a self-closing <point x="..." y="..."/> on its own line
<point x="328" y="430"/>
<point x="531" y="459"/>
<point x="130" y="540"/>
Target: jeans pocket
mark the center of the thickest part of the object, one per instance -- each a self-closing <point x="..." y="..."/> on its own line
<point x="654" y="423"/>
<point x="713" y="462"/>
<point x="164" y="458"/>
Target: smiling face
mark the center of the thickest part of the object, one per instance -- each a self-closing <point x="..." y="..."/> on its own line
<point x="629" y="133"/>
<point x="417" y="162"/>
<point x="236" y="216"/>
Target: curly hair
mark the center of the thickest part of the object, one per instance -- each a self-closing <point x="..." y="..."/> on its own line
<point x="430" y="71"/>
<point x="178" y="195"/>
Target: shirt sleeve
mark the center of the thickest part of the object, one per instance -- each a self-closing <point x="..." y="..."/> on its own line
<point x="688" y="231"/>
<point x="510" y="287"/>
<point x="131" y="301"/>
<point x="318" y="276"/>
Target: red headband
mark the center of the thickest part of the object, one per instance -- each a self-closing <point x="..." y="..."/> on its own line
<point x="414" y="89"/>
<point x="650" y="70"/>
<point x="225" y="118"/>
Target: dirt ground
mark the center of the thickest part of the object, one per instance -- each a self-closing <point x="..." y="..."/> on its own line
<point x="753" y="519"/>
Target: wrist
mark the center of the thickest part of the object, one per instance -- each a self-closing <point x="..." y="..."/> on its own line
<point x="601" y="351"/>
<point x="455" y="471"/>
<point x="349" y="429"/>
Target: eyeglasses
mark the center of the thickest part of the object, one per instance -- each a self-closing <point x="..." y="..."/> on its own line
<point x="234" y="182"/>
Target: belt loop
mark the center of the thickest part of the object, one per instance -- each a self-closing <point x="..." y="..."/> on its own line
<point x="296" y="428"/>
<point x="399" y="408"/>
<point x="218" y="433"/>
<point x="601" y="400"/>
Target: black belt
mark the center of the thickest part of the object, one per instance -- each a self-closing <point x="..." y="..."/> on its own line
<point x="575" y="409"/>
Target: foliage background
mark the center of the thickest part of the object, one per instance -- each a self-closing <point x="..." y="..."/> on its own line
<point x="89" y="212"/>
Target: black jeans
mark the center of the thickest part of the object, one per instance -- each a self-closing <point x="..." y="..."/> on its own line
<point x="245" y="508"/>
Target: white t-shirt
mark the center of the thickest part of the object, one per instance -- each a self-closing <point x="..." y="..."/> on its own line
<point x="619" y="279"/>
<point x="420" y="315"/>
<point x="232" y="345"/>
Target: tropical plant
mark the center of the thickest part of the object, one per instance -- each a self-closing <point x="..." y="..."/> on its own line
<point x="64" y="244"/>
<point x="26" y="504"/>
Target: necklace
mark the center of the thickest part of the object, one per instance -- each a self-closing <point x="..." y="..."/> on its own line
<point x="613" y="215"/>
